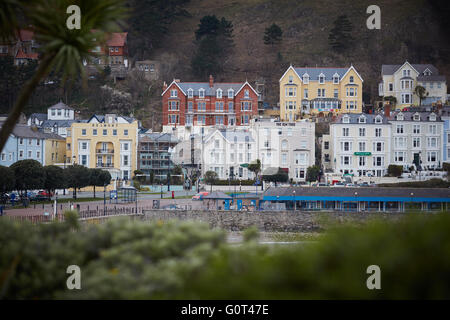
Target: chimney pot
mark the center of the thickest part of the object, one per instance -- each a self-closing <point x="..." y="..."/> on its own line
<point x="164" y="86"/>
<point x="387" y="110"/>
<point x="211" y="81"/>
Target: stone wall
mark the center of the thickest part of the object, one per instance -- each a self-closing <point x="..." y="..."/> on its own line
<point x="271" y="221"/>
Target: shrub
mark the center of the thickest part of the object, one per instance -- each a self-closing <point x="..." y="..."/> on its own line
<point x="394" y="170"/>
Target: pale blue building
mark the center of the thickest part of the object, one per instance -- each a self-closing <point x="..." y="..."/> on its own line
<point x="24" y="143"/>
<point x="445" y="116"/>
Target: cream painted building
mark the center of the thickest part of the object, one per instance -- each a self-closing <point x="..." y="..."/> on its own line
<point x="106" y="142"/>
<point x="319" y="89"/>
<point x="400" y="82"/>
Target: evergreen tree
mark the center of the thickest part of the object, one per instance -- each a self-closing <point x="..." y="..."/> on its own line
<point x="273" y="34"/>
<point x="214" y="42"/>
<point x="340" y="37"/>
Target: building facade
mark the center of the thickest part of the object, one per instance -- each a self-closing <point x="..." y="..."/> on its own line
<point x="319" y="89"/>
<point x="400" y="81"/>
<point x="188" y="106"/>
<point x="226" y="150"/>
<point x="445" y="117"/>
<point x="287" y="145"/>
<point x="358" y="145"/>
<point x="29" y="143"/>
<point x="23" y="47"/>
<point x="417" y="138"/>
<point x="106" y="142"/>
<point x="154" y="154"/>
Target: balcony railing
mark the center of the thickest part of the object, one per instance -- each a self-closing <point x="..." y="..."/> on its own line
<point x="105" y="151"/>
<point x="104" y="165"/>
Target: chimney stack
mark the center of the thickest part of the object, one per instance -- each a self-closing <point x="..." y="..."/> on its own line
<point x="387" y="110"/>
<point x="211" y="81"/>
<point x="164" y="86"/>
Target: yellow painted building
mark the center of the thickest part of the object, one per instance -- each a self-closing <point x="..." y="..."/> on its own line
<point x="306" y="91"/>
<point x="55" y="147"/>
<point x="106" y="142"/>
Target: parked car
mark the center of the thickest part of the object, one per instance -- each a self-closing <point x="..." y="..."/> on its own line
<point x="351" y="185"/>
<point x="199" y="196"/>
<point x="45" y="193"/>
<point x="322" y="184"/>
<point x="364" y="184"/>
<point x="339" y="184"/>
<point x="40" y="197"/>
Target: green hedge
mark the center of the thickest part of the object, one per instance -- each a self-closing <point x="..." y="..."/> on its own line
<point x="234" y="182"/>
<point x="432" y="183"/>
<point x="125" y="259"/>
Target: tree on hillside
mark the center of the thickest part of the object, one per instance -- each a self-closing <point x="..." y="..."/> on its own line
<point x="62" y="49"/>
<point x="54" y="178"/>
<point x="99" y="178"/>
<point x="214" y="42"/>
<point x="210" y="178"/>
<point x="77" y="177"/>
<point x="421" y="92"/>
<point x="29" y="175"/>
<point x="340" y="36"/>
<point x="273" y="35"/>
<point x="150" y="21"/>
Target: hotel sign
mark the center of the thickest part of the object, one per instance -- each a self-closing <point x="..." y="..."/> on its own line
<point x="363" y="153"/>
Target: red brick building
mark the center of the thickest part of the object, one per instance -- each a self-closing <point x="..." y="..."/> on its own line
<point x="208" y="103"/>
<point x="115" y="51"/>
<point x="23" y="47"/>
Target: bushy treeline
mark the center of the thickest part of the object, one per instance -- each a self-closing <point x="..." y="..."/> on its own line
<point x="29" y="174"/>
<point x="185" y="260"/>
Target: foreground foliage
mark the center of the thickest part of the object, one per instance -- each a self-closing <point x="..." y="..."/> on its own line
<point x="135" y="260"/>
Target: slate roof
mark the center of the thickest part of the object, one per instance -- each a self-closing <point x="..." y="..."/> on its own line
<point x="39" y="116"/>
<point x="196" y="86"/>
<point x="389" y="69"/>
<point x="315" y="72"/>
<point x="354" y="118"/>
<point x="362" y="192"/>
<point x="101" y="118"/>
<point x="59" y="123"/>
<point x="158" y="136"/>
<point x="24" y="131"/>
<point x="60" y="105"/>
<point x="408" y="116"/>
<point x="431" y="78"/>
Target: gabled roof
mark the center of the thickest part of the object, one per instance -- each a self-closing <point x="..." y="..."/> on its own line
<point x="24" y="131"/>
<point x="101" y="118"/>
<point x="230" y="134"/>
<point x="390" y="69"/>
<point x="39" y="116"/>
<point x="314" y="73"/>
<point x="409" y="116"/>
<point x="58" y="123"/>
<point x="354" y="118"/>
<point x="22" y="55"/>
<point x="197" y="86"/>
<point x="60" y="105"/>
<point x="117" y="39"/>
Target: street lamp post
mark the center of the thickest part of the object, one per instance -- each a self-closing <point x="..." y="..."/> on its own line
<point x="64" y="165"/>
<point x="412" y="194"/>
<point x="104" y="199"/>
<point x="295" y="202"/>
<point x="357" y="203"/>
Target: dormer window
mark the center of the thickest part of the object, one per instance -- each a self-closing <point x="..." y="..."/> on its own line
<point x="219" y="93"/>
<point x="190" y="93"/>
<point x="427" y="72"/>
<point x="432" y="117"/>
<point x="336" y="79"/>
<point x="399" y="117"/>
<point x="201" y="93"/>
<point x="351" y="79"/>
<point x="378" y="119"/>
<point x="305" y="78"/>
<point x="230" y="93"/>
<point x="321" y="78"/>
<point x="173" y="93"/>
<point x="362" y="119"/>
<point x="346" y="119"/>
<point x="416" y="117"/>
